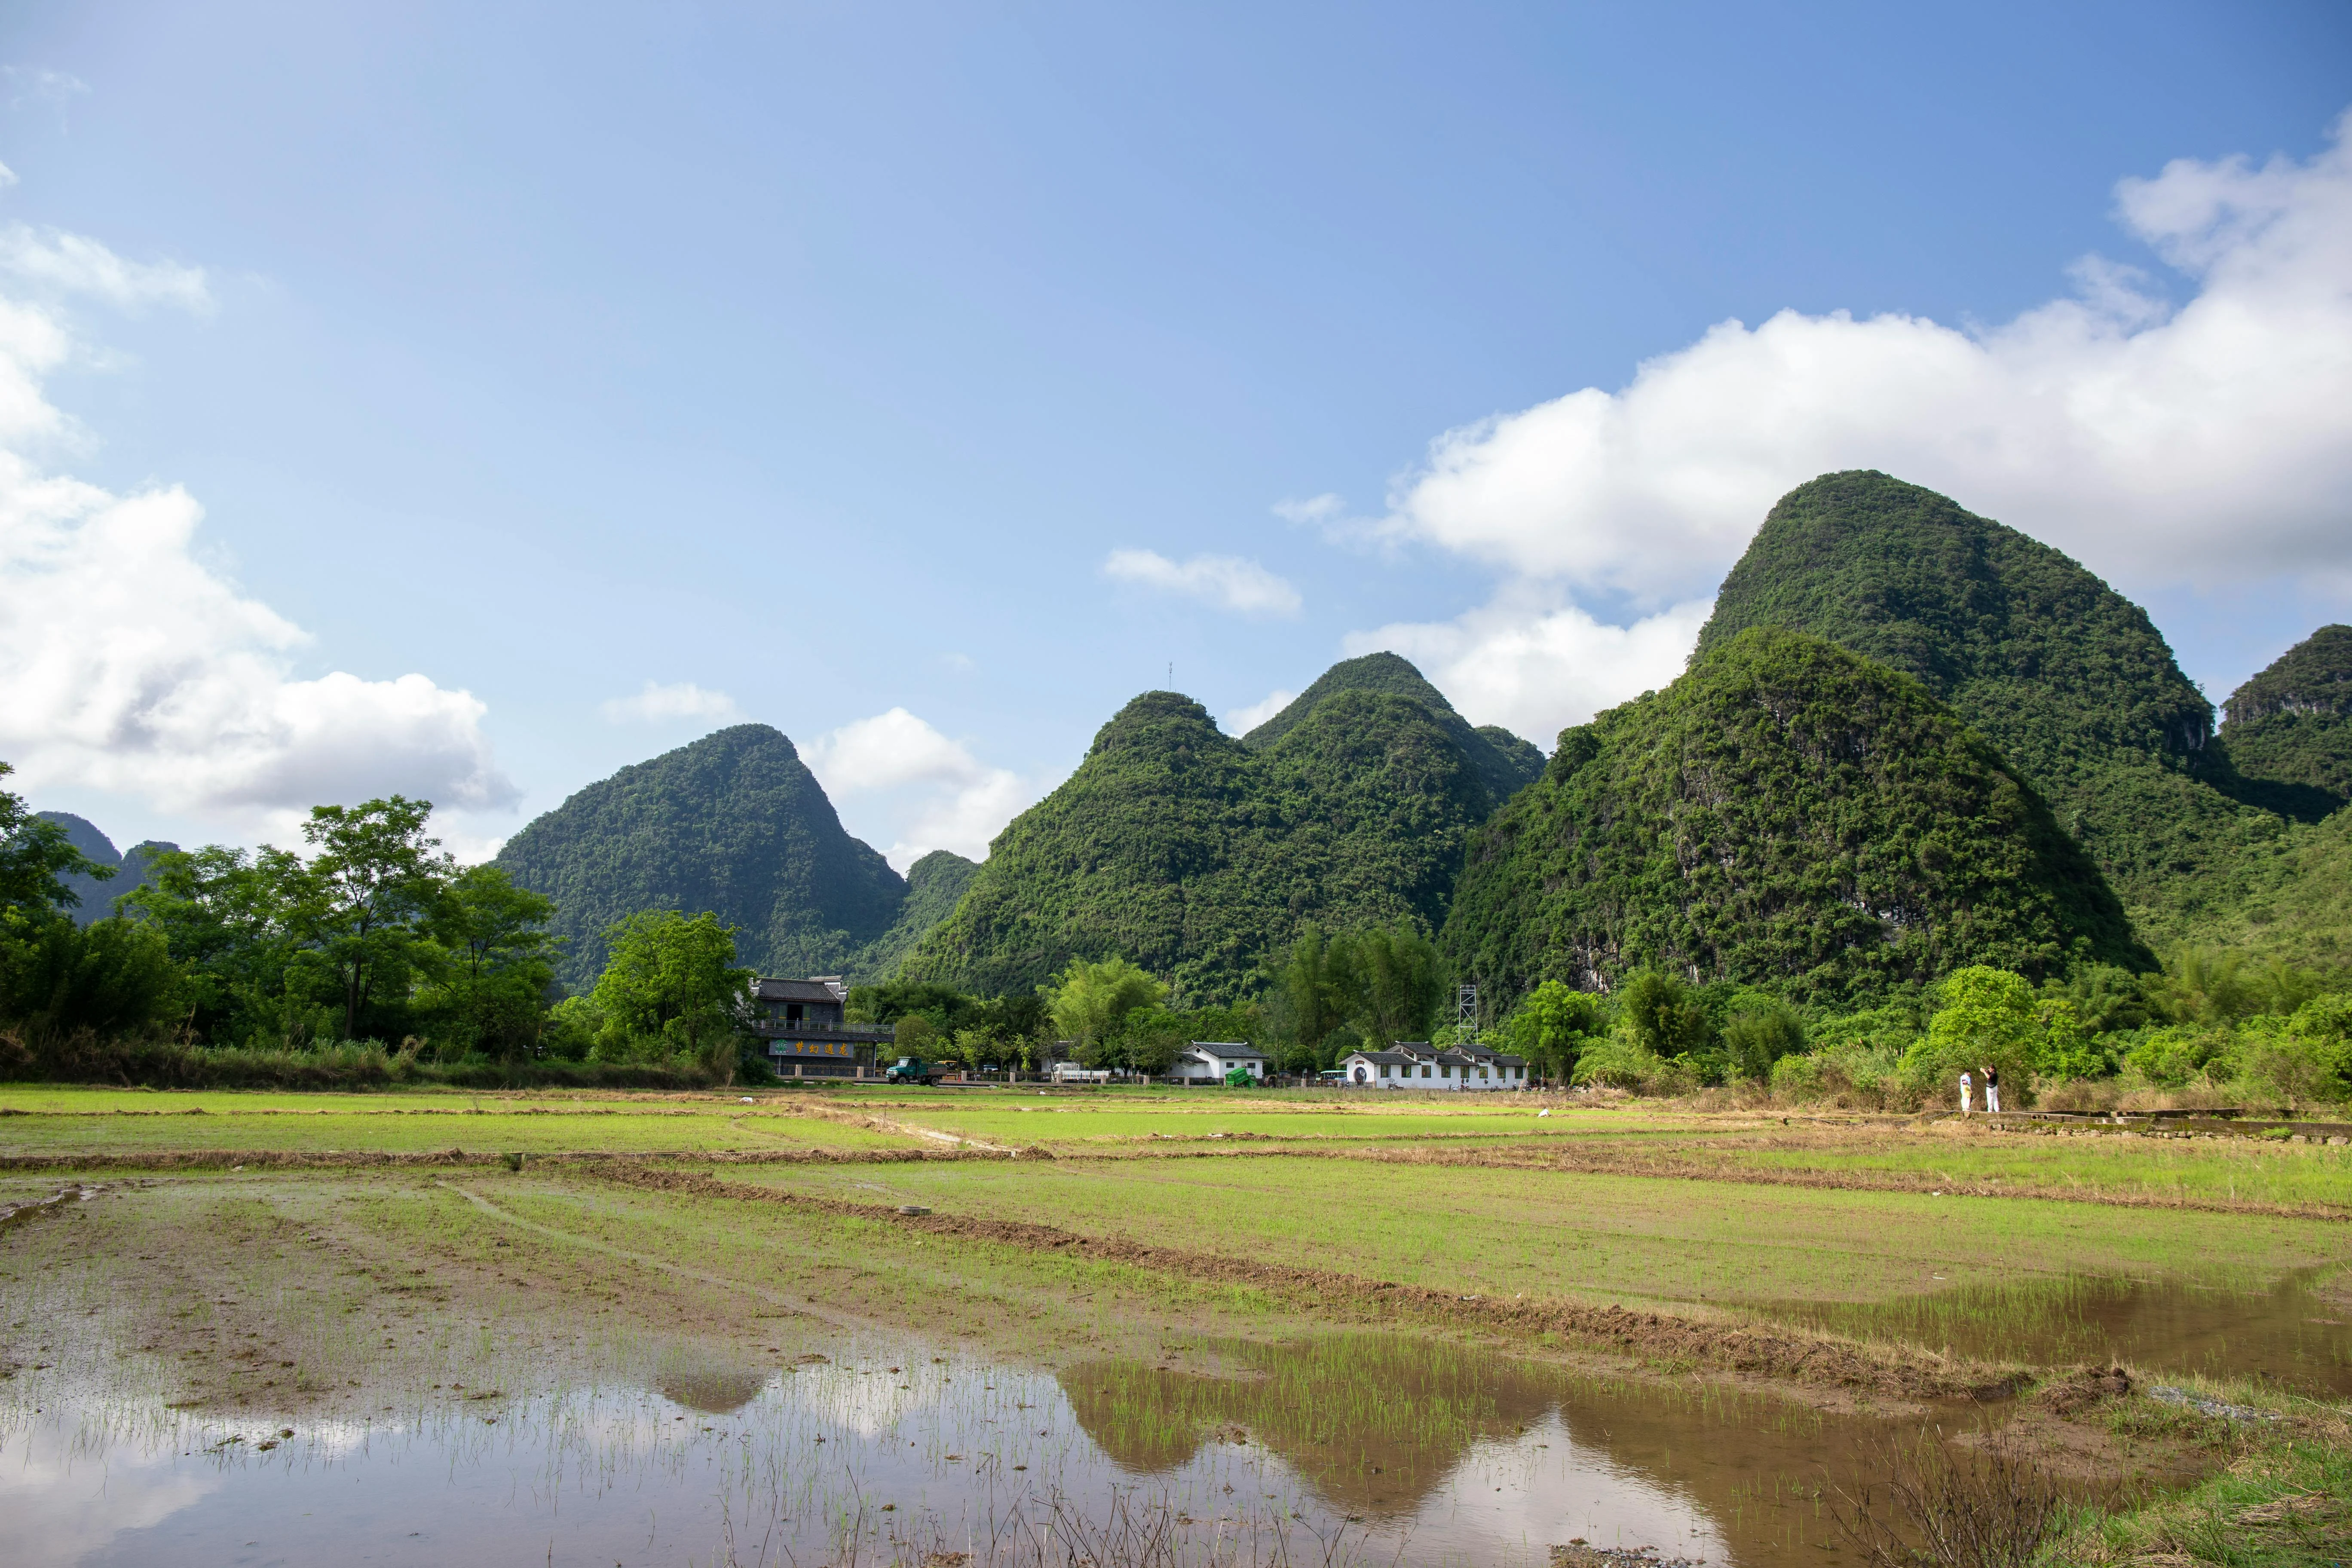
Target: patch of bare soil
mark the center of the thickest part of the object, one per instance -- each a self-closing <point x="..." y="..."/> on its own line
<point x="1774" y="1354"/>
<point x="296" y="1302"/>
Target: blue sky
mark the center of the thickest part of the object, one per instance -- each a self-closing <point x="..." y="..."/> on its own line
<point x="926" y="380"/>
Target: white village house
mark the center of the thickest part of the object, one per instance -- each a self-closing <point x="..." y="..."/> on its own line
<point x="1411" y="1064"/>
<point x="1208" y="1061"/>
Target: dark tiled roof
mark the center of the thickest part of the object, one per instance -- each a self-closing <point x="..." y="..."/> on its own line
<point x="768" y="989"/>
<point x="1233" y="1051"/>
<point x="1387" y="1059"/>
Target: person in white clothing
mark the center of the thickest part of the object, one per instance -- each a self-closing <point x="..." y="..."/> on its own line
<point x="1967" y="1084"/>
<point x="1992" y="1091"/>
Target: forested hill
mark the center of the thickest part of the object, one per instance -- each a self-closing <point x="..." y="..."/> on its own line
<point x="934" y="886"/>
<point x="1786" y="815"/>
<point x="2290" y="726"/>
<point x="1198" y="856"/>
<point x="734" y="824"/>
<point x="2062" y="673"/>
<point x="1506" y="762"/>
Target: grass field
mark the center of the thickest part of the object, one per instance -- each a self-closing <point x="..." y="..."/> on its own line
<point x="1165" y="1233"/>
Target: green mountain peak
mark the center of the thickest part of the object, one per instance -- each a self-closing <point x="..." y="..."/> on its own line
<point x="734" y="824"/>
<point x="1788" y="814"/>
<point x="2292" y="725"/>
<point x="1504" y="761"/>
<point x="2064" y="675"/>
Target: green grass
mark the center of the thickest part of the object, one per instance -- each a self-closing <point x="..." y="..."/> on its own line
<point x="1506" y="1232"/>
<point x="63" y="1123"/>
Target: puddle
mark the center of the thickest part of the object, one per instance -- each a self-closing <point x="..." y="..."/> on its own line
<point x="1366" y="1448"/>
<point x="2288" y="1333"/>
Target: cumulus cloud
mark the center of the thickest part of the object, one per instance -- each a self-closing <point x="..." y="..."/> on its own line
<point x="1535" y="670"/>
<point x="2159" y="444"/>
<point x="896" y="767"/>
<point x="1243" y="719"/>
<point x="131" y="665"/>
<point x="659" y="704"/>
<point x="72" y="264"/>
<point x="1226" y="580"/>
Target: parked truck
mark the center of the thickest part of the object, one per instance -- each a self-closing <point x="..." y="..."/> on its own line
<point x="913" y="1069"/>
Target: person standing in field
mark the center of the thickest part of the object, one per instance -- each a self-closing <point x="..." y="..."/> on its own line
<point x="1967" y="1084"/>
<point x="1993" y="1090"/>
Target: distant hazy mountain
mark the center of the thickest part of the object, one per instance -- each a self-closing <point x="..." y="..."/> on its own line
<point x="1788" y="814"/>
<point x="131" y="871"/>
<point x="735" y="825"/>
<point x="1198" y="856"/>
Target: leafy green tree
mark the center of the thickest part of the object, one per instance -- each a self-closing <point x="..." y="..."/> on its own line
<point x="222" y="915"/>
<point x="1552" y="1025"/>
<point x="2204" y="985"/>
<point x="1759" y="1031"/>
<point x="496" y="962"/>
<point x="1089" y="1002"/>
<point x="36" y="857"/>
<point x="976" y="1048"/>
<point x="2066" y="1049"/>
<point x="1664" y="1017"/>
<point x="1989" y="1018"/>
<point x="1389" y="978"/>
<point x="2106" y="996"/>
<point x="672" y="986"/>
<point x="364" y="902"/>
<point x="111" y="977"/>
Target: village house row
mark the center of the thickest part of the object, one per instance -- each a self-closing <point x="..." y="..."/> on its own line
<point x="805" y="1024"/>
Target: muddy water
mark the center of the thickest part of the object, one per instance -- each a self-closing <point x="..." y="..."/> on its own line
<point x="1355" y="1449"/>
<point x="2287" y="1333"/>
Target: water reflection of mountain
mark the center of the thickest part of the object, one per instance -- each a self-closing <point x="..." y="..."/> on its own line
<point x="1374" y="1423"/>
<point x="713" y="1390"/>
<point x="1377" y="1424"/>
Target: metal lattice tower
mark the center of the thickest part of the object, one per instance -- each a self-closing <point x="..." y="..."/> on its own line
<point x="1466" y="1013"/>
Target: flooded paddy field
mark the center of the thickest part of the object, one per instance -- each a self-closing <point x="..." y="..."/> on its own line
<point x="717" y="1351"/>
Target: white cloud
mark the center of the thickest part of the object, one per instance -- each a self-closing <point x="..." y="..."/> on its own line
<point x="131" y="665"/>
<point x="1321" y="509"/>
<point x="1226" y="580"/>
<point x="69" y="263"/>
<point x="7" y="176"/>
<point x="38" y="84"/>
<point x="2099" y="422"/>
<point x="1536" y="670"/>
<point x="934" y="792"/>
<point x="1241" y="721"/>
<point x="659" y="704"/>
<point x="2159" y="444"/>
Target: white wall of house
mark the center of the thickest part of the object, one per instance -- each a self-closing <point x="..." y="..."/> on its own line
<point x="1454" y="1076"/>
<point x="1205" y="1064"/>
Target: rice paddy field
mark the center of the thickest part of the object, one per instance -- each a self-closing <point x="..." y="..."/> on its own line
<point x="858" y="1325"/>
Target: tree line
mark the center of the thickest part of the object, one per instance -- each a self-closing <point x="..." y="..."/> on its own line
<point x="376" y="935"/>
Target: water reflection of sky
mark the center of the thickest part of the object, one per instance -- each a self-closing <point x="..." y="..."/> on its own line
<point x="773" y="1465"/>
